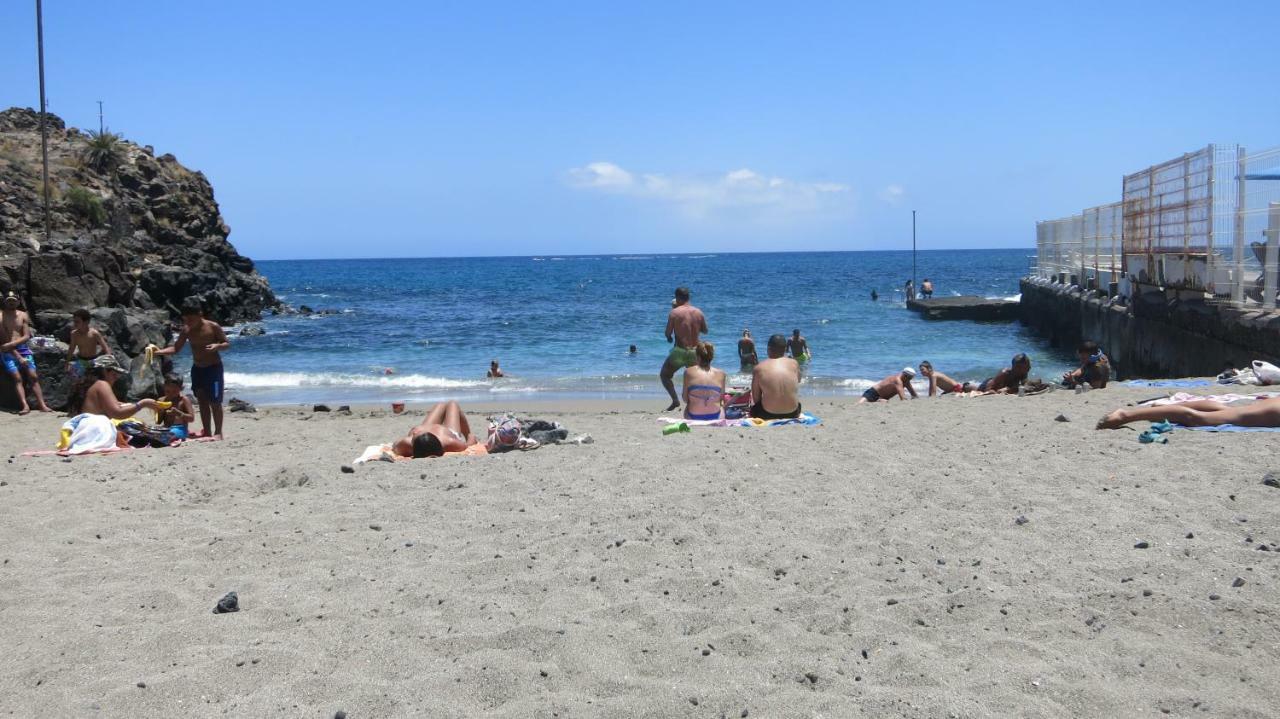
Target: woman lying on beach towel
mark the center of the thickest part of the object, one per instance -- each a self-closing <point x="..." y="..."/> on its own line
<point x="1199" y="413"/>
<point x="444" y="430"/>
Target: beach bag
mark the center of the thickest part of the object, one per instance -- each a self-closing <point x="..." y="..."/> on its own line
<point x="1266" y="372"/>
<point x="504" y="433"/>
<point x="140" y="435"/>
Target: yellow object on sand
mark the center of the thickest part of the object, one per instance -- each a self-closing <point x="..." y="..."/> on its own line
<point x="162" y="406"/>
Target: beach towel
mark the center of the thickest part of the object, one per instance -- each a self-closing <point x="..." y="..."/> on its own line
<point x="383" y="453"/>
<point x="1180" y="397"/>
<point x="1171" y="383"/>
<point x="1232" y="428"/>
<point x="87" y="433"/>
<point x="805" y="418"/>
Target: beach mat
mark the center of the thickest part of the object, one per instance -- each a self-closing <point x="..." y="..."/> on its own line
<point x="805" y="419"/>
<point x="1231" y="428"/>
<point x="1179" y="383"/>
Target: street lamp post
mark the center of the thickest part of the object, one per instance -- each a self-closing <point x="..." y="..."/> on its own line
<point x="44" y="130"/>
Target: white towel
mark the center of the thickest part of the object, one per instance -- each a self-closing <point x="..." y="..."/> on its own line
<point x="90" y="433"/>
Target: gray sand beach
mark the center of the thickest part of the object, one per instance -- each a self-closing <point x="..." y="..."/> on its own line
<point x="958" y="557"/>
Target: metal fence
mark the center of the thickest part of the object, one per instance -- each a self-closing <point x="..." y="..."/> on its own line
<point x="1086" y="247"/>
<point x="1197" y="224"/>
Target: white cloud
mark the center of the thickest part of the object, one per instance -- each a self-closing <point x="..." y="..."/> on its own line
<point x="700" y="196"/>
<point x="893" y="194"/>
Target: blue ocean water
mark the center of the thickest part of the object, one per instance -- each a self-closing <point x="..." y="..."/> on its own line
<point x="561" y="326"/>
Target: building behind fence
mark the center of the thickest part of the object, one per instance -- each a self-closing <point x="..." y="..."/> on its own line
<point x="1196" y="225"/>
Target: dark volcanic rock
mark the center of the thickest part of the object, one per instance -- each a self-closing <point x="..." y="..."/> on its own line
<point x="134" y="241"/>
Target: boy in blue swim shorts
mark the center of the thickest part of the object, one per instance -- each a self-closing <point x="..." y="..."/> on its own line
<point x="15" y="355"/>
<point x="207" y="341"/>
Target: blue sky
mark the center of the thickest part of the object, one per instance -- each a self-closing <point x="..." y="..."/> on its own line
<point x="423" y="129"/>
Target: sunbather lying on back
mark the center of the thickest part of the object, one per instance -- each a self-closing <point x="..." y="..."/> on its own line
<point x="1199" y="413"/>
<point x="444" y="430"/>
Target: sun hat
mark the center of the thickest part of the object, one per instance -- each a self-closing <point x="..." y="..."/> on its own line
<point x="107" y="362"/>
<point x="12" y="297"/>
<point x="908" y="372"/>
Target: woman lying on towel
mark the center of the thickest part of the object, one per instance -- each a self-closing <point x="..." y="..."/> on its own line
<point x="444" y="430"/>
<point x="1200" y="413"/>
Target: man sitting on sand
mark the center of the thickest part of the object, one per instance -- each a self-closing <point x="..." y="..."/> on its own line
<point x="1199" y="413"/>
<point x="101" y="397"/>
<point x="897" y="385"/>
<point x="1094" y="369"/>
<point x="444" y="430"/>
<point x="1010" y="378"/>
<point x="775" y="384"/>
<point x="942" y="383"/>
<point x="684" y="323"/>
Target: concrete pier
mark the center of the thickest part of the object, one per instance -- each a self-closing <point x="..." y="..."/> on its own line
<point x="1154" y="335"/>
<point x="980" y="309"/>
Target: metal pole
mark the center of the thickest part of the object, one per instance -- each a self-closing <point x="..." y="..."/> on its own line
<point x="101" y="128"/>
<point x="913" y="253"/>
<point x="44" y="132"/>
<point x="1272" y="253"/>
<point x="1237" y="292"/>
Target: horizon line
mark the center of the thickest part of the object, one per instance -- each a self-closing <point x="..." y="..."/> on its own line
<point x="630" y="254"/>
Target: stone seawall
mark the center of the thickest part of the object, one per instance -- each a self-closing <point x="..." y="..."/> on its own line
<point x="1152" y="337"/>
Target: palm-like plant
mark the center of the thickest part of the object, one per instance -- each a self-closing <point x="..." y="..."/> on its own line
<point x="105" y="151"/>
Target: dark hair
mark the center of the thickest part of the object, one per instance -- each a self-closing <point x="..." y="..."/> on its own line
<point x="682" y="294"/>
<point x="632" y="348"/>
<point x="778" y="342"/>
<point x="427" y="445"/>
<point x="925" y="363"/>
<point x="1088" y="347"/>
<point x="191" y="308"/>
<point x="82" y="314"/>
<point x="173" y="379"/>
<point x="1021" y="358"/>
<point x="795" y="332"/>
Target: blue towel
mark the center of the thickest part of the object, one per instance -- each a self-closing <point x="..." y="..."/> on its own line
<point x="1170" y="383"/>
<point x="1232" y="428"/>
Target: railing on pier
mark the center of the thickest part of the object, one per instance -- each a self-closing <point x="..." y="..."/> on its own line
<point x="1197" y="224"/>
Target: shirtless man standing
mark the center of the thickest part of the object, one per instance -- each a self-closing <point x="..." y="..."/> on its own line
<point x="684" y="323"/>
<point x="207" y="340"/>
<point x="747" y="357"/>
<point x="87" y="344"/>
<point x="799" y="347"/>
<point x="444" y="430"/>
<point x="775" y="384"/>
<point x="897" y="385"/>
<point x="15" y="332"/>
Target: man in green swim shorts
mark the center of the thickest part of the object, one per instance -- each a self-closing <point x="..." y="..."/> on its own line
<point x="684" y="324"/>
<point x="799" y="347"/>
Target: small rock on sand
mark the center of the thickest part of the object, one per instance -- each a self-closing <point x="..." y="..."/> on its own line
<point x="1271" y="480"/>
<point x="348" y="469"/>
<point x="1062" y="418"/>
<point x="1021" y="519"/>
<point x="1239" y="582"/>
<point x="1142" y="545"/>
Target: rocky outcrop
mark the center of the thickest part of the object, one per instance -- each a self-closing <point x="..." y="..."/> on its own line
<point x="135" y="237"/>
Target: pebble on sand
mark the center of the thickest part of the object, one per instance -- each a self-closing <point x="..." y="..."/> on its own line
<point x="1239" y="582"/>
<point x="1141" y="545"/>
<point x="348" y="469"/>
<point x="1021" y="519"/>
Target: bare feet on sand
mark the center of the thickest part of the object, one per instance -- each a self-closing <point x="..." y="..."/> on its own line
<point x="1115" y="420"/>
<point x="674" y="406"/>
